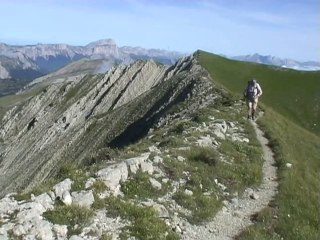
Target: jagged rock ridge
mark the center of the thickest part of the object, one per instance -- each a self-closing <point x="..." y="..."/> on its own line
<point x="70" y="121"/>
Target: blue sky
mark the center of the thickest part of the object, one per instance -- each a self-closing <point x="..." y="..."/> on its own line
<point x="283" y="28"/>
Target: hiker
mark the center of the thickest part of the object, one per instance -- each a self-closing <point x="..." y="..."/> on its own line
<point x="251" y="93"/>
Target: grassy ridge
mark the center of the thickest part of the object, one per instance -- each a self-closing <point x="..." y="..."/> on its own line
<point x="294" y="214"/>
<point x="294" y="94"/>
<point x="296" y="208"/>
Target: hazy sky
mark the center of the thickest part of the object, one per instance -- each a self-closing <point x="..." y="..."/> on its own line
<point x="283" y="28"/>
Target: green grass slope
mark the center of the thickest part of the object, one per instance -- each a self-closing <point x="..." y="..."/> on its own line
<point x="294" y="94"/>
<point x="295" y="211"/>
<point x="291" y="100"/>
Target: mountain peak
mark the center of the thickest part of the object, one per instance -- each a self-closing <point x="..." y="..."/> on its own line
<point x="102" y="42"/>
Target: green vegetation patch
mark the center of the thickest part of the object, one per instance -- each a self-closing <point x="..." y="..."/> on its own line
<point x="145" y="223"/>
<point x="245" y="169"/>
<point x="71" y="216"/>
<point x="203" y="207"/>
<point x="140" y="187"/>
<point x="76" y="173"/>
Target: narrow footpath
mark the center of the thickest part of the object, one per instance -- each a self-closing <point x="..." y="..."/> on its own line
<point x="235" y="216"/>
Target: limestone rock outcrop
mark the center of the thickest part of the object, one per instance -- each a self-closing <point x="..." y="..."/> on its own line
<point x="68" y="122"/>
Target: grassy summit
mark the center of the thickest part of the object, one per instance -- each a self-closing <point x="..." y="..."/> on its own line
<point x="294" y="94"/>
<point x="291" y="100"/>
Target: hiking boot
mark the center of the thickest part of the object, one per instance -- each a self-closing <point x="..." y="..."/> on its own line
<point x="248" y="117"/>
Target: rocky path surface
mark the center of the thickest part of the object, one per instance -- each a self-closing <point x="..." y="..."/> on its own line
<point x="235" y="215"/>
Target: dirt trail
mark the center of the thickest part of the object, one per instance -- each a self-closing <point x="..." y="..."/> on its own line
<point x="235" y="216"/>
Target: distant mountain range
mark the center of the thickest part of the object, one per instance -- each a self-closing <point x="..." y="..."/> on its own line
<point x="276" y="61"/>
<point x="25" y="63"/>
<point x="19" y="65"/>
<point x="45" y="58"/>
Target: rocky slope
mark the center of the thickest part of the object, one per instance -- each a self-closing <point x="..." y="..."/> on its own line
<point x="163" y="174"/>
<point x="69" y="121"/>
<point x="144" y="151"/>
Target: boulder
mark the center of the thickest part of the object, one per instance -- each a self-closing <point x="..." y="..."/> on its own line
<point x="8" y="205"/>
<point x="155" y="184"/>
<point x="83" y="198"/>
<point x="154" y="149"/>
<point x="45" y="200"/>
<point x="161" y="210"/>
<point x="113" y="175"/>
<point x="135" y="163"/>
<point x="147" y="167"/>
<point x="157" y="159"/>
<point x="66" y="198"/>
<point x="60" y="231"/>
<point x="205" y="141"/>
<point x="188" y="192"/>
<point x="59" y="188"/>
<point x="89" y="183"/>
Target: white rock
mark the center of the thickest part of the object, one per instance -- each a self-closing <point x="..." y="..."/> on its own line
<point x="89" y="183"/>
<point x="181" y="159"/>
<point x="221" y="125"/>
<point x="45" y="200"/>
<point x="231" y="124"/>
<point x="147" y="167"/>
<point x="154" y="149"/>
<point x="66" y="198"/>
<point x="43" y="230"/>
<point x="254" y="196"/>
<point x="188" y="192"/>
<point x="157" y="159"/>
<point x="60" y="230"/>
<point x="204" y="141"/>
<point x="59" y="188"/>
<point x="161" y="210"/>
<point x="29" y="211"/>
<point x="4" y="236"/>
<point x="223" y="187"/>
<point x="134" y="163"/>
<point x="165" y="180"/>
<point x="288" y="165"/>
<point x="113" y="175"/>
<point x="219" y="133"/>
<point x="155" y="184"/>
<point x="83" y="198"/>
<point x="8" y="205"/>
<point x="177" y="229"/>
<point x="19" y="230"/>
<point x="75" y="237"/>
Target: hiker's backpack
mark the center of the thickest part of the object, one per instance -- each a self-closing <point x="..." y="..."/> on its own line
<point x="251" y="90"/>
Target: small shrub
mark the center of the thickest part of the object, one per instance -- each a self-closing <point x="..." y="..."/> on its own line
<point x="139" y="186"/>
<point x="179" y="128"/>
<point x="106" y="236"/>
<point x="99" y="186"/>
<point x="202" y="207"/>
<point x="203" y="154"/>
<point x="71" y="216"/>
<point x="75" y="173"/>
<point x="145" y="223"/>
